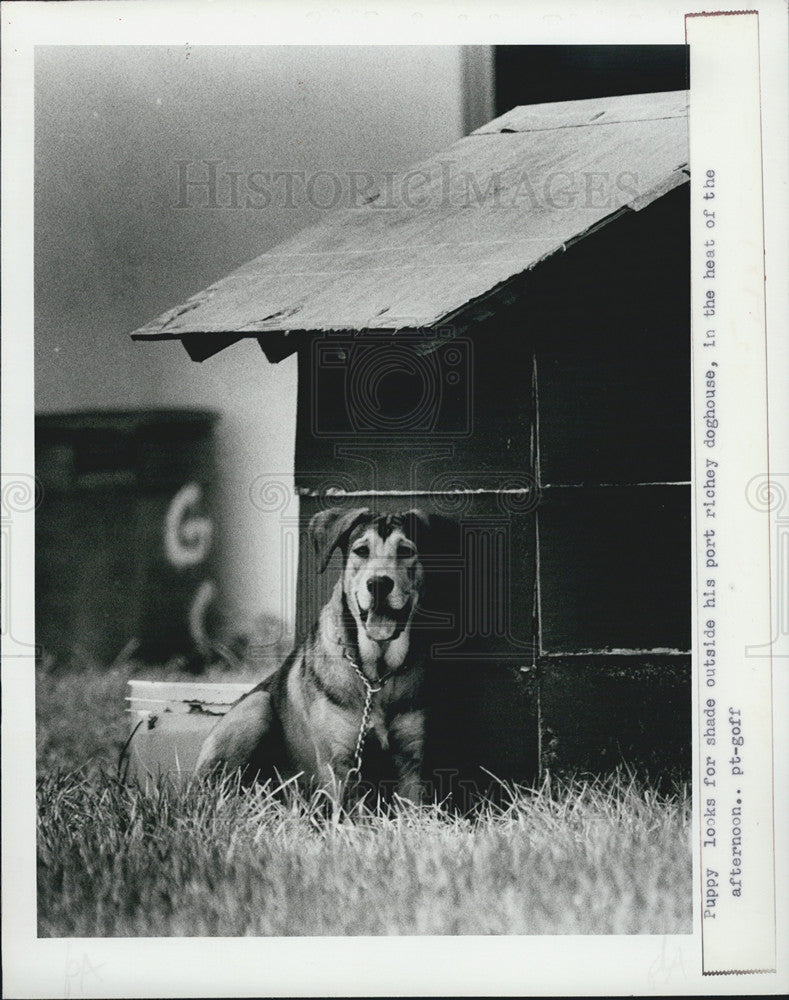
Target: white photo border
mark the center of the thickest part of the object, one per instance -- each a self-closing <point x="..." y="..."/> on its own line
<point x="559" y="965"/>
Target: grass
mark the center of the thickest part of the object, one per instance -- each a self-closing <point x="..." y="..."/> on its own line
<point x="601" y="857"/>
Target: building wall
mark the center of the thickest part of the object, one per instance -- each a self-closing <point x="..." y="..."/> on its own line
<point x="119" y="238"/>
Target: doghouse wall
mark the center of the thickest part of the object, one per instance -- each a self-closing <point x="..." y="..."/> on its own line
<point x="561" y="426"/>
<point x="483" y="713"/>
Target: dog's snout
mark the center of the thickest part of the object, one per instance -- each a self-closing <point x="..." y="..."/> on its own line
<point x="380" y="586"/>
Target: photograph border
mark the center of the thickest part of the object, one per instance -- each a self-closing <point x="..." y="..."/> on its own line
<point x="557" y="965"/>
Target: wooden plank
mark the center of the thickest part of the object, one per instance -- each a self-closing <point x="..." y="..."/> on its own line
<point x="445" y="234"/>
<point x="611" y="321"/>
<point x="600" y="713"/>
<point x="380" y="416"/>
<point x="615" y="569"/>
<point x="595" y="111"/>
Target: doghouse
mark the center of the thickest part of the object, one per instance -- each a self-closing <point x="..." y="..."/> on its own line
<point x="502" y="335"/>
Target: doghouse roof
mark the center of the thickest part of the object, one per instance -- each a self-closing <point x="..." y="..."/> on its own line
<point x="438" y="244"/>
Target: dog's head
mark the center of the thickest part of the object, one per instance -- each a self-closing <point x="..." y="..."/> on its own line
<point x="383" y="575"/>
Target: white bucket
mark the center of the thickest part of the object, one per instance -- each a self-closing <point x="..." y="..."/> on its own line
<point x="169" y="722"/>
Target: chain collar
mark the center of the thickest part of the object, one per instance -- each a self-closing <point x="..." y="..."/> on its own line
<point x="369" y="691"/>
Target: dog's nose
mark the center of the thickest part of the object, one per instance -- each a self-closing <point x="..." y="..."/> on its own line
<point x="380" y="586"/>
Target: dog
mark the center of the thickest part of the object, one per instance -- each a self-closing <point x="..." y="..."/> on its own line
<point x="349" y="701"/>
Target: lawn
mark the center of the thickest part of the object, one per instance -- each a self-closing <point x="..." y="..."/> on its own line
<point x="576" y="857"/>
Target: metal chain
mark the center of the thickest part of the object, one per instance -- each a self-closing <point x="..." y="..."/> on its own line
<point x="369" y="691"/>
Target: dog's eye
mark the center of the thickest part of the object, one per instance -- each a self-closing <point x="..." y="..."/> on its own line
<point x="363" y="551"/>
<point x="405" y="551"/>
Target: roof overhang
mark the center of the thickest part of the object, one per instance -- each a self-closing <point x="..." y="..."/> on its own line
<point x="449" y="238"/>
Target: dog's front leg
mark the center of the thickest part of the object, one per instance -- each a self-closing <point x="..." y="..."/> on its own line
<point x="407" y="740"/>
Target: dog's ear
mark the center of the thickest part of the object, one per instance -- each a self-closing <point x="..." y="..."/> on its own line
<point x="330" y="528"/>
